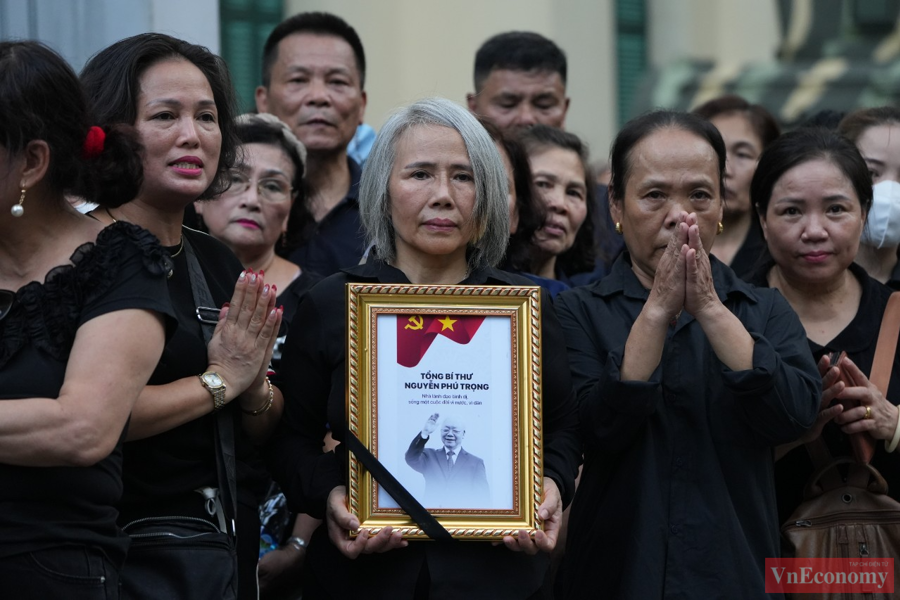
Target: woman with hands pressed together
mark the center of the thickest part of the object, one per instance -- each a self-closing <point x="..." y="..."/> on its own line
<point x="178" y="98"/>
<point x="813" y="192"/>
<point x="686" y="379"/>
<point x="433" y="200"/>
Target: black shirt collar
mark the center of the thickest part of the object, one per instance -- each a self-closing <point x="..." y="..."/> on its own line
<point x="376" y="269"/>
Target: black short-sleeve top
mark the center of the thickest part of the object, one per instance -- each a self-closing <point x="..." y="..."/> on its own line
<point x="42" y="507"/>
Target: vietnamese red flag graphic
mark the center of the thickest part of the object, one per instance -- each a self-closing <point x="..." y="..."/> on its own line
<point x="415" y="333"/>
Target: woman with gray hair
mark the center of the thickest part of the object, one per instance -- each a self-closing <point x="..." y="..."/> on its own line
<point x="433" y="201"/>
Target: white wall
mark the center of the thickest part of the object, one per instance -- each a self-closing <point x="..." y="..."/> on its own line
<point x="196" y="21"/>
<point x="418" y="48"/>
<point x="78" y="29"/>
<point x="727" y="31"/>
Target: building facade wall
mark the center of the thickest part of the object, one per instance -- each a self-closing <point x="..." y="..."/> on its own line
<point x="419" y="48"/>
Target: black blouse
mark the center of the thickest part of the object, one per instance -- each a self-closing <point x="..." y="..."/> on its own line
<point x="43" y="507"/>
<point x="313" y="382"/>
<point x="677" y="497"/>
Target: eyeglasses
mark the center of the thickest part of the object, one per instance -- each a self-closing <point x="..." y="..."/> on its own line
<point x="6" y="302"/>
<point x="270" y="189"/>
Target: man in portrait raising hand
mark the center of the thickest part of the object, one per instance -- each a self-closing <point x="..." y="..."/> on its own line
<point x="454" y="478"/>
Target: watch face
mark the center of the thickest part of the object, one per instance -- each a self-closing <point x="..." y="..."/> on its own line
<point x="212" y="379"/>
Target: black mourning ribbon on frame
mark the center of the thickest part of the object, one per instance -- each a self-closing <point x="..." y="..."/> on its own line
<point x="407" y="502"/>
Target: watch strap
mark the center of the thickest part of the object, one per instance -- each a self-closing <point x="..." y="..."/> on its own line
<point x="218" y="392"/>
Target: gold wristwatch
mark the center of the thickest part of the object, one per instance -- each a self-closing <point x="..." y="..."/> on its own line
<point x="214" y="383"/>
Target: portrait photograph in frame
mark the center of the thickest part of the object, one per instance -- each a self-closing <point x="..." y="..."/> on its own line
<point x="444" y="390"/>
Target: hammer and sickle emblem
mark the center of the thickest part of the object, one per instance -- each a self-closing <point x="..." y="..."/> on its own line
<point x="415" y="322"/>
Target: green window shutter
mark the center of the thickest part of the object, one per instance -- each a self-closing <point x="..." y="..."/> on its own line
<point x="245" y="25"/>
<point x="631" y="52"/>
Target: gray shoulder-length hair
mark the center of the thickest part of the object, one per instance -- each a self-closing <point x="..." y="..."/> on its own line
<point x="491" y="212"/>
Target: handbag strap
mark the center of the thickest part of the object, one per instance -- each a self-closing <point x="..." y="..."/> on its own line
<point x="224" y="431"/>
<point x="886" y="347"/>
<point x="821" y="458"/>
<point x="882" y="365"/>
<point x="400" y="494"/>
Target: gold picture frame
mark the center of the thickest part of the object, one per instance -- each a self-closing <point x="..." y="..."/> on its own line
<point x="489" y="341"/>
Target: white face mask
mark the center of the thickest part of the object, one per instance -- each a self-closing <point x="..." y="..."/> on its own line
<point x="883" y="225"/>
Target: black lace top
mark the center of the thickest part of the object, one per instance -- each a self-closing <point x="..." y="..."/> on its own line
<point x="42" y="507"/>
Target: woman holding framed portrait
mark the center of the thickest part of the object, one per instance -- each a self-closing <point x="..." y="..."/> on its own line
<point x="433" y="201"/>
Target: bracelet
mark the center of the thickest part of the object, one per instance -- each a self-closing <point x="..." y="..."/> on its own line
<point x="896" y="439"/>
<point x="298" y="543"/>
<point x="266" y="406"/>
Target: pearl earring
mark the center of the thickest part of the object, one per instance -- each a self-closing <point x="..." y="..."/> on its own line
<point x="18" y="210"/>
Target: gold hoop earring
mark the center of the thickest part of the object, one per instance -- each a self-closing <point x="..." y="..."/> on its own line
<point x="18" y="210"/>
<point x="618" y="228"/>
<point x="720" y="228"/>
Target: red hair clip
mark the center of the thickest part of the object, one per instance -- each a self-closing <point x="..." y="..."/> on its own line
<point x="93" y="143"/>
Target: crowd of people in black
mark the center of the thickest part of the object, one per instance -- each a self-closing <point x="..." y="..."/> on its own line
<point x="173" y="320"/>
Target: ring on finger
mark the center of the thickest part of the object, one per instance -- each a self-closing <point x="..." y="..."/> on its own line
<point x="868" y="413"/>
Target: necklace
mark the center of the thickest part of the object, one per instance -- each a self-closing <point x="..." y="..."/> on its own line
<point x="180" y="247"/>
<point x="177" y="252"/>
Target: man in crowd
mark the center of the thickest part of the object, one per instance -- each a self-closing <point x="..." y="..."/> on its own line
<point x="520" y="80"/>
<point x="314" y="71"/>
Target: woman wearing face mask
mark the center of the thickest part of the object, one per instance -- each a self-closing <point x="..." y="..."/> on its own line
<point x="876" y="133"/>
<point x="813" y="193"/>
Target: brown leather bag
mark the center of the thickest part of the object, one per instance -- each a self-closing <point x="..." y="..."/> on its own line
<point x="856" y="519"/>
<point x="848" y="521"/>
